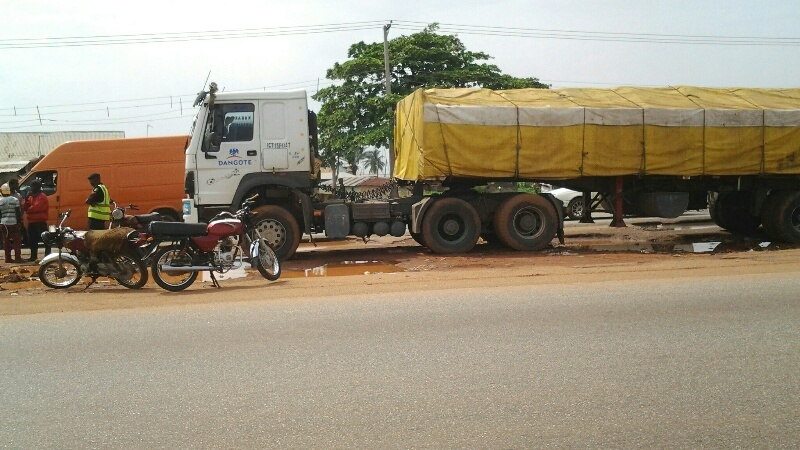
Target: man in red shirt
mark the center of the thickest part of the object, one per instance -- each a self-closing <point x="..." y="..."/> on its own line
<point x="36" y="209"/>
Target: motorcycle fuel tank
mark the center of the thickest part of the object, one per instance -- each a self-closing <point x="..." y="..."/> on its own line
<point x="225" y="227"/>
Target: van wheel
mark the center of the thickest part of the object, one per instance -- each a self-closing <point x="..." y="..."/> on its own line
<point x="525" y="222"/>
<point x="451" y="225"/>
<point x="279" y="228"/>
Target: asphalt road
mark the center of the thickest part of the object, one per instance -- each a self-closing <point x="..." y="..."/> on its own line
<point x="606" y="365"/>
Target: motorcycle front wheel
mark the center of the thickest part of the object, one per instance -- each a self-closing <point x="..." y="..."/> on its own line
<point x="173" y="255"/>
<point x="267" y="262"/>
<point x="60" y="274"/>
<point x="136" y="268"/>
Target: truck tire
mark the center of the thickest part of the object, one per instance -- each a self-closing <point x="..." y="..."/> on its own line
<point x="732" y="212"/>
<point x="525" y="222"/>
<point x="279" y="228"/>
<point x="450" y="225"/>
<point x="713" y="209"/>
<point x="769" y="216"/>
<point x="782" y="216"/>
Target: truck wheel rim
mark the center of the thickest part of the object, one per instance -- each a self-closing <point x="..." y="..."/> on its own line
<point x="527" y="223"/>
<point x="273" y="232"/>
<point x="452" y="227"/>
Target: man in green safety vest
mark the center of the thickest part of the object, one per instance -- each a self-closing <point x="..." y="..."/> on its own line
<point x="99" y="204"/>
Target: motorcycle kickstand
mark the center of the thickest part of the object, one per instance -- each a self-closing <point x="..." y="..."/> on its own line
<point x="214" y="281"/>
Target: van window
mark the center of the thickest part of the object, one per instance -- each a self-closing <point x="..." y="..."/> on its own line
<point x="237" y="122"/>
<point x="49" y="178"/>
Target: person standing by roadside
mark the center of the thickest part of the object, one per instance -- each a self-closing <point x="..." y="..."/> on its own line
<point x="36" y="207"/>
<point x="99" y="204"/>
<point x="10" y="220"/>
<point x="13" y="184"/>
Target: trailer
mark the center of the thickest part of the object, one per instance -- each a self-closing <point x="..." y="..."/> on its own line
<point x="650" y="151"/>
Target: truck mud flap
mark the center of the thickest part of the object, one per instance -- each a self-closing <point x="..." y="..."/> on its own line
<point x="417" y="212"/>
<point x="559" y="207"/>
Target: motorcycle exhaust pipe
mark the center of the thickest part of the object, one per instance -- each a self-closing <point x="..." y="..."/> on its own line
<point x="169" y="268"/>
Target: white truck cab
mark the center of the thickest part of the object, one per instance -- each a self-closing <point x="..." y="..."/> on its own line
<point x="243" y="140"/>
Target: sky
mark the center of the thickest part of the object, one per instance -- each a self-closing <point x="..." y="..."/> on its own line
<point x="154" y="56"/>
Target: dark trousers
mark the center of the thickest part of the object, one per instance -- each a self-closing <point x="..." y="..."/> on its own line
<point x="35" y="230"/>
<point x="11" y="236"/>
<point x="96" y="224"/>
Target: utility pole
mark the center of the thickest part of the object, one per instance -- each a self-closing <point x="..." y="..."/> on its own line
<point x="388" y="78"/>
<point x="148" y="130"/>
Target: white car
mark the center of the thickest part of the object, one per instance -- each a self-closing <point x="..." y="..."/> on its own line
<point x="573" y="201"/>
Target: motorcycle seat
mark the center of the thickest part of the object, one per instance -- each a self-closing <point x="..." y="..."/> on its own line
<point x="178" y="229"/>
<point x="144" y="219"/>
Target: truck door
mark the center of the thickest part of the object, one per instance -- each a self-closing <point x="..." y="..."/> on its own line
<point x="221" y="167"/>
<point x="275" y="144"/>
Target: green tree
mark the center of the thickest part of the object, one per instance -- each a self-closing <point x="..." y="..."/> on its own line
<point x="353" y="157"/>
<point x="374" y="161"/>
<point x="356" y="113"/>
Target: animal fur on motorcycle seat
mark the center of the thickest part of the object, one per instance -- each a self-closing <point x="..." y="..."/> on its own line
<point x="107" y="241"/>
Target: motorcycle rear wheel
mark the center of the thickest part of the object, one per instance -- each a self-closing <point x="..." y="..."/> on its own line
<point x="60" y="275"/>
<point x="172" y="281"/>
<point x="267" y="262"/>
<point x="139" y="277"/>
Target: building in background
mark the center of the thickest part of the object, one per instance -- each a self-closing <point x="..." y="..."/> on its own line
<point x="19" y="152"/>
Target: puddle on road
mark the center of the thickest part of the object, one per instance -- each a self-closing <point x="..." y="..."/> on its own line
<point x="345" y="268"/>
<point x="693" y="247"/>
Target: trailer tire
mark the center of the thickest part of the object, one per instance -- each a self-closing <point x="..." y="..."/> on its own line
<point x="525" y="222"/>
<point x="713" y="209"/>
<point x="769" y="216"/>
<point x="733" y="214"/>
<point x="783" y="221"/>
<point x="450" y="225"/>
<point x="279" y="228"/>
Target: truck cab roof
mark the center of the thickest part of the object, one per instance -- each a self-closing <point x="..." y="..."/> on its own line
<point x="260" y="95"/>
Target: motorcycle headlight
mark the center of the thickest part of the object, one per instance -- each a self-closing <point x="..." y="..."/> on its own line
<point x="46" y="237"/>
<point x="117" y="214"/>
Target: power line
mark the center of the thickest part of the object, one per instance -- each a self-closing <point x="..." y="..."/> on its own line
<point x="601" y="36"/>
<point x="539" y="33"/>
<point x="125" y="39"/>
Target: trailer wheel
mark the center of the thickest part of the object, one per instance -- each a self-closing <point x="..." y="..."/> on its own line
<point x="732" y="212"/>
<point x="769" y="216"/>
<point x="279" y="228"/>
<point x="450" y="225"/>
<point x="782" y="216"/>
<point x="525" y="222"/>
<point x="713" y="209"/>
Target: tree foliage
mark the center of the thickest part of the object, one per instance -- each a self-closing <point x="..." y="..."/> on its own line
<point x="356" y="113"/>
<point x="374" y="161"/>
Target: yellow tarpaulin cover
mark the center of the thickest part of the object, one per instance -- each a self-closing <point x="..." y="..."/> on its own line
<point x="566" y="133"/>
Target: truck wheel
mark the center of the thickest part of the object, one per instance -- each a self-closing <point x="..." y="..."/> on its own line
<point x="782" y="218"/>
<point x="733" y="214"/>
<point x="713" y="209"/>
<point x="525" y="222"/>
<point x="279" y="228"/>
<point x="417" y="238"/>
<point x="451" y="225"/>
<point x="769" y="215"/>
<point x="575" y="208"/>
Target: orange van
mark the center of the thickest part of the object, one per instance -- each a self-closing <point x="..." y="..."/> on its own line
<point x="147" y="172"/>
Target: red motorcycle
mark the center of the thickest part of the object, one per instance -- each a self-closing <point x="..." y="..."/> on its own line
<point x="212" y="247"/>
<point x="94" y="253"/>
<point x="139" y="222"/>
